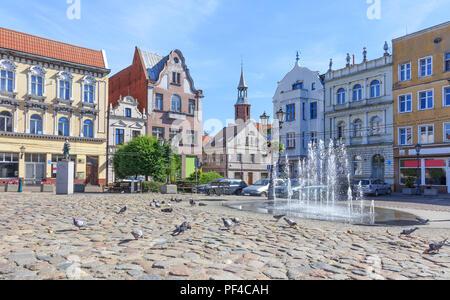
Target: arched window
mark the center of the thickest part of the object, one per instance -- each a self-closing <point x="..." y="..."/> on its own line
<point x="7" y="75"/>
<point x="341" y="130"/>
<point x="6" y="121"/>
<point x="37" y="81"/>
<point x="63" y="127"/>
<point x="341" y="96"/>
<point x="357" y="92"/>
<point x="88" y="129"/>
<point x="375" y="125"/>
<point x="357" y="166"/>
<point x="36" y="124"/>
<point x="375" y="89"/>
<point x="176" y="103"/>
<point x="89" y="83"/>
<point x="357" y="128"/>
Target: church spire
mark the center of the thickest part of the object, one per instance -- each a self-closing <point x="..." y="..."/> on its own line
<point x="242" y="106"/>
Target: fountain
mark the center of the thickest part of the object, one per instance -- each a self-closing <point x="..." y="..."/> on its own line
<point x="324" y="190"/>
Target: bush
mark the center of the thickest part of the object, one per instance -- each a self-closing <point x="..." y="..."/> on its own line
<point x="410" y="182"/>
<point x="208" y="177"/>
<point x="152" y="187"/>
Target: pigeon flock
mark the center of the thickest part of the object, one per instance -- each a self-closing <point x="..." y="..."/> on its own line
<point x="137" y="234"/>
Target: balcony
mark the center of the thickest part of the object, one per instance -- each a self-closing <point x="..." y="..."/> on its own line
<point x="294" y="94"/>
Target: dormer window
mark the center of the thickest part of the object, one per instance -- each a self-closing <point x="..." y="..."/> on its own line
<point x="297" y="86"/>
<point x="7" y="75"/>
<point x="37" y="81"/>
<point x="176" y="78"/>
<point x="89" y="84"/>
<point x="65" y="85"/>
<point x="128" y="112"/>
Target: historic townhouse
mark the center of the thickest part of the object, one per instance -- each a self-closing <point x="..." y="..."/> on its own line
<point x="164" y="88"/>
<point x="300" y="95"/>
<point x="358" y="112"/>
<point x="125" y="122"/>
<point x="49" y="92"/>
<point x="238" y="151"/>
<point x="422" y="107"/>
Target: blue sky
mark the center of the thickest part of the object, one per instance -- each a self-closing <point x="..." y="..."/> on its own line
<point x="214" y="35"/>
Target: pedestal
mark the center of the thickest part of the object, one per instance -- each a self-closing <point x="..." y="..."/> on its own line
<point x="169" y="189"/>
<point x="64" y="177"/>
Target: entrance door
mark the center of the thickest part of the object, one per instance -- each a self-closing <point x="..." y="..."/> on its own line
<point x="250" y="178"/>
<point x="378" y="167"/>
<point x="92" y="170"/>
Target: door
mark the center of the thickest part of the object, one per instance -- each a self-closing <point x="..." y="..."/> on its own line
<point x="250" y="179"/>
<point x="92" y="170"/>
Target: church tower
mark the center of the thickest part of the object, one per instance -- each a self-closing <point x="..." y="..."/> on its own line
<point x="242" y="106"/>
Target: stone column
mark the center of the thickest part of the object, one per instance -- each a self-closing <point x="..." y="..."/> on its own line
<point x="366" y="128"/>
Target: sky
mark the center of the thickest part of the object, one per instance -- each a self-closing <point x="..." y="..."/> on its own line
<point x="216" y="35"/>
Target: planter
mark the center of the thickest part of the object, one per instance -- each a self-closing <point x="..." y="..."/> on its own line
<point x="169" y="189"/>
<point x="431" y="192"/>
<point x="46" y="188"/>
<point x="12" y="188"/>
<point x="79" y="188"/>
<point x="408" y="191"/>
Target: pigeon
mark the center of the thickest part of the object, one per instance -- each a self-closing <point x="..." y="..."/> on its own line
<point x="182" y="229"/>
<point x="169" y="205"/>
<point x="167" y="210"/>
<point x="137" y="234"/>
<point x="228" y="224"/>
<point x="422" y="221"/>
<point x="278" y="217"/>
<point x="78" y="223"/>
<point x="291" y="223"/>
<point x="157" y="205"/>
<point x="151" y="204"/>
<point x="163" y="202"/>
<point x="124" y="209"/>
<point x="408" y="232"/>
<point x="192" y="202"/>
<point x="236" y="221"/>
<point x="436" y="247"/>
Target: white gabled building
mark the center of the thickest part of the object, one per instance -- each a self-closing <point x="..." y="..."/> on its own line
<point x="359" y="112"/>
<point x="300" y="95"/>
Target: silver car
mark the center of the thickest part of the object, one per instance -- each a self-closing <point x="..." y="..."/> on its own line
<point x="372" y="187"/>
<point x="260" y="188"/>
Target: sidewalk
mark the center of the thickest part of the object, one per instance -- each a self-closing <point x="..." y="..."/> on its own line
<point x="441" y="199"/>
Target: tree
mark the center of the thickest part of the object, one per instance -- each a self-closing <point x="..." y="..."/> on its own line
<point x="142" y="156"/>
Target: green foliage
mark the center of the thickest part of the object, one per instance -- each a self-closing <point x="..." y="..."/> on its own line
<point x="204" y="178"/>
<point x="175" y="166"/>
<point x="410" y="182"/>
<point x="141" y="156"/>
<point x="151" y="186"/>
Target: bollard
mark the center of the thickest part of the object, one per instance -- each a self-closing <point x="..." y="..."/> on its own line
<point x="20" y="185"/>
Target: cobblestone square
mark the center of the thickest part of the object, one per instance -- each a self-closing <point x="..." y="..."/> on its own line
<point x="39" y="241"/>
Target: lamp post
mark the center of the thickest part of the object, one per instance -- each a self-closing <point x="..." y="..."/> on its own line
<point x="419" y="176"/>
<point x="265" y="122"/>
<point x="281" y="115"/>
<point x="162" y="143"/>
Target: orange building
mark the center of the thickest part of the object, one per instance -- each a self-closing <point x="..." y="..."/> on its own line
<point x="421" y="76"/>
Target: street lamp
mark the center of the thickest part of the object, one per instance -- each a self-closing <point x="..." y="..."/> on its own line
<point x="162" y="142"/>
<point x="281" y="115"/>
<point x="419" y="176"/>
<point x="265" y="122"/>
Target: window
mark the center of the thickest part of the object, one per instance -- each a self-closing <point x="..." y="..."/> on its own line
<point x="64" y="90"/>
<point x="405" y="136"/>
<point x="191" y="138"/>
<point x="9" y="165"/>
<point x="136" y="133"/>
<point x="313" y="86"/>
<point x="426" y="100"/>
<point x="6" y="121"/>
<point x="176" y="78"/>
<point x="375" y="89"/>
<point x="341" y="130"/>
<point x="304" y="111"/>
<point x="405" y="72"/>
<point x="297" y="86"/>
<point x="7" y="81"/>
<point x="304" y="140"/>
<point x="191" y="107"/>
<point x="357" y="92"/>
<point x="405" y="103"/>
<point x="37" y="85"/>
<point x="447" y="132"/>
<point x="239" y="158"/>
<point x="375" y="125"/>
<point x="128" y="112"/>
<point x="88" y="129"/>
<point x="159" y="102"/>
<point x="357" y="128"/>
<point x="176" y="104"/>
<point x="357" y="166"/>
<point x="435" y="172"/>
<point x="120" y="136"/>
<point x="426" y="134"/>
<point x="158" y="132"/>
<point x="63" y="127"/>
<point x="341" y="96"/>
<point x="447" y="62"/>
<point x="426" y="66"/>
<point x="314" y="111"/>
<point x="214" y="157"/>
<point x="36" y="124"/>
<point x="89" y="84"/>
<point x="290" y="140"/>
<point x="253" y="158"/>
<point x="290" y="112"/>
<point x="446" y="95"/>
<point x="314" y="138"/>
<point x="408" y="168"/>
<point x="176" y="134"/>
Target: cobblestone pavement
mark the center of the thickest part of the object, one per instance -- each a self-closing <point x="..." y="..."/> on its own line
<point x="38" y="241"/>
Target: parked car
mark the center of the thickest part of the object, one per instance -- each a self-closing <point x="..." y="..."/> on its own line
<point x="260" y="188"/>
<point x="226" y="187"/>
<point x="282" y="190"/>
<point x="372" y="187"/>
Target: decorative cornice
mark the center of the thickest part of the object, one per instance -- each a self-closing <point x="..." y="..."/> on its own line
<point x="50" y="137"/>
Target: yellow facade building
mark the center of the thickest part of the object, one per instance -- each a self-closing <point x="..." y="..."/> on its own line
<point x="51" y="92"/>
<point x="421" y="76"/>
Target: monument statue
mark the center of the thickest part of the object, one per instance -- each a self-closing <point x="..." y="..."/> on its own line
<point x="66" y="150"/>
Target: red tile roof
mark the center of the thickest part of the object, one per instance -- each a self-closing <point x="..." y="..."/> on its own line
<point x="24" y="42"/>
